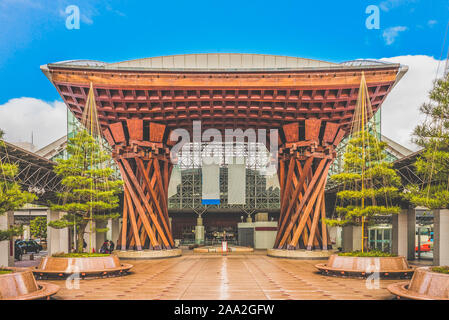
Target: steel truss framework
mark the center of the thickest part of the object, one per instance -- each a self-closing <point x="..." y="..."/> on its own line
<point x="256" y="154"/>
<point x="258" y="196"/>
<point x="35" y="173"/>
<point x="257" y="162"/>
<point x="406" y="169"/>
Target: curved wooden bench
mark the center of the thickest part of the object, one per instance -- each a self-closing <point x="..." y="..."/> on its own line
<point x="425" y="285"/>
<point x="21" y="285"/>
<point x="388" y="267"/>
<point x="300" y="254"/>
<point x="218" y="249"/>
<point x="148" y="254"/>
<point x="87" y="267"/>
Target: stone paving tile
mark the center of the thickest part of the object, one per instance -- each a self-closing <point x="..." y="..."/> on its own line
<point x="229" y="277"/>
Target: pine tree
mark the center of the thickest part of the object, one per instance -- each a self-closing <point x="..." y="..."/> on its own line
<point x="38" y="227"/>
<point x="369" y="182"/>
<point x="90" y="191"/>
<point x="433" y="165"/>
<point x="11" y="195"/>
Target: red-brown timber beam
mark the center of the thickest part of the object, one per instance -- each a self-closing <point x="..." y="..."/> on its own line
<point x="145" y="217"/>
<point x="302" y="217"/>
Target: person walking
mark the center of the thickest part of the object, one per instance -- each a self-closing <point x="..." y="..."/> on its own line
<point x="104" y="247"/>
<point x="111" y="246"/>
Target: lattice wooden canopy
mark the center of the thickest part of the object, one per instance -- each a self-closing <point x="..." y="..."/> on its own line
<point x="138" y="107"/>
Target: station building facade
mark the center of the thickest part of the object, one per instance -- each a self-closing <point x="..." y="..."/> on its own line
<point x="224" y="91"/>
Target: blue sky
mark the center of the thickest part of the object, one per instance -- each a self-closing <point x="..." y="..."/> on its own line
<point x="33" y="33"/>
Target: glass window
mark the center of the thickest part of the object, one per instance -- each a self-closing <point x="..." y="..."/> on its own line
<point x="387" y="235"/>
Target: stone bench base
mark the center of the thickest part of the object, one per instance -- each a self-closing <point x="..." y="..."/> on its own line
<point x="425" y="285"/>
<point x="218" y="249"/>
<point x="300" y="254"/>
<point x="59" y="267"/>
<point x="347" y="266"/>
<point x="21" y="285"/>
<point x="148" y="254"/>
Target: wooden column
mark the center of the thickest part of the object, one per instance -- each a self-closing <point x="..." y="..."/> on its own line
<point x="304" y="160"/>
<point x="145" y="168"/>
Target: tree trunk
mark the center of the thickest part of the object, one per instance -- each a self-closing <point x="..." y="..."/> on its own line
<point x="80" y="237"/>
<point x="365" y="237"/>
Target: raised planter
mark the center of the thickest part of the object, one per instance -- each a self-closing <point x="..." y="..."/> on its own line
<point x="61" y="267"/>
<point x="148" y="254"/>
<point x="425" y="285"/>
<point x="21" y="285"/>
<point x="219" y="249"/>
<point x="300" y="254"/>
<point x="348" y="266"/>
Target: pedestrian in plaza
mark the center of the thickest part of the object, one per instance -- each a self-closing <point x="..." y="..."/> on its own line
<point x="111" y="246"/>
<point x="104" y="247"/>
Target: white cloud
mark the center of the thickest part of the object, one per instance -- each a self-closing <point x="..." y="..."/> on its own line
<point x="117" y="12"/>
<point x="387" y="5"/>
<point x="86" y="19"/>
<point x="400" y="111"/>
<point x="27" y="3"/>
<point x="21" y="116"/>
<point x="390" y="34"/>
<point x="431" y="23"/>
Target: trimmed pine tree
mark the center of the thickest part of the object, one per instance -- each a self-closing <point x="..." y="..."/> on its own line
<point x="38" y="227"/>
<point x="90" y="193"/>
<point x="369" y="183"/>
<point x="433" y="164"/>
<point x="11" y="195"/>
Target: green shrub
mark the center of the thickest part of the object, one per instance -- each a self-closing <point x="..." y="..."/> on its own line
<point x="78" y="255"/>
<point x="442" y="269"/>
<point x="90" y="190"/>
<point x="374" y="253"/>
<point x="5" y="271"/>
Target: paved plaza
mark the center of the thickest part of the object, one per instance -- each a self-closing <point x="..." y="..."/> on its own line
<point x="244" y="276"/>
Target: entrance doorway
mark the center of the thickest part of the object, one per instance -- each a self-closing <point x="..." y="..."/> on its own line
<point x="217" y="225"/>
<point x="379" y="238"/>
<point x="424" y="242"/>
<point x="424" y="235"/>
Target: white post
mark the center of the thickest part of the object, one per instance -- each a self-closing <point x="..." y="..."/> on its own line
<point x="113" y="230"/>
<point x="411" y="234"/>
<point x="199" y="231"/>
<point x="57" y="239"/>
<point x="90" y="241"/>
<point x="335" y="234"/>
<point x="400" y="232"/>
<point x="352" y="238"/>
<point x="27" y="232"/>
<point x="6" y="246"/>
<point x="441" y="237"/>
<point x="100" y="237"/>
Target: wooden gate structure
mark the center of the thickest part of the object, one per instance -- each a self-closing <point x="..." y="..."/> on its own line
<point x="145" y="168"/>
<point x="140" y="102"/>
<point x="303" y="169"/>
